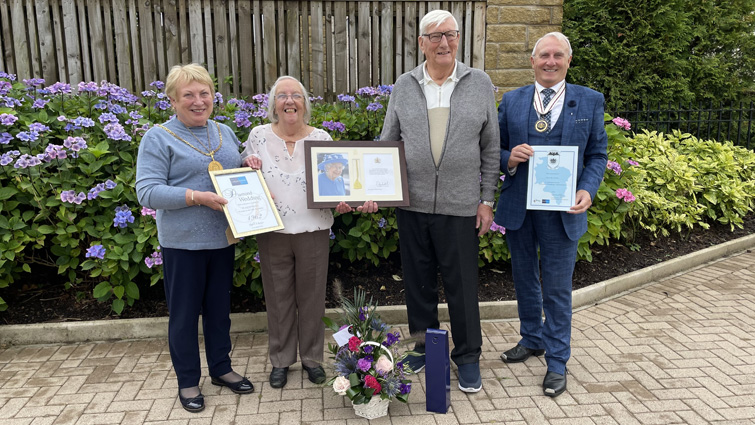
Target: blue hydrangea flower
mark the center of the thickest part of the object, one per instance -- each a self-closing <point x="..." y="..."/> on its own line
<point x="8" y="119"/>
<point x="123" y="216"/>
<point x="374" y="106"/>
<point x="96" y="251"/>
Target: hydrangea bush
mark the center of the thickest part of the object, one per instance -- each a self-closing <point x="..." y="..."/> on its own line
<point x="67" y="197"/>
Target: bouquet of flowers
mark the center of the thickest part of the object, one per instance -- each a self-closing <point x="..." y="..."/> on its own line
<point x="368" y="365"/>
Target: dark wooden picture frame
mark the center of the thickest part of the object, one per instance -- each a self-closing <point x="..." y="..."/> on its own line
<point x="369" y="171"/>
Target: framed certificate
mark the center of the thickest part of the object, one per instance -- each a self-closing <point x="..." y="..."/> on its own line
<point x="355" y="172"/>
<point x="250" y="209"/>
<point x="552" y="183"/>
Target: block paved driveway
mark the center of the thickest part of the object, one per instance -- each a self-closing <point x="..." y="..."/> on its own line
<point x="676" y="351"/>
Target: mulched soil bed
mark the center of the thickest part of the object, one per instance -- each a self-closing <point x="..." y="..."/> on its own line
<point x="42" y="298"/>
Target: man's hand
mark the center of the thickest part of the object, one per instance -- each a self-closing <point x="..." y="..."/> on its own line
<point x="367" y="207"/>
<point x="584" y="201"/>
<point x="254" y="162"/>
<point x="484" y="218"/>
<point x="520" y="153"/>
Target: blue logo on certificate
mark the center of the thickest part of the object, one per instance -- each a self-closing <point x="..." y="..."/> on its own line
<point x="238" y="181"/>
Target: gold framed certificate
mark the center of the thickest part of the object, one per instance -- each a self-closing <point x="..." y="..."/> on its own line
<point x="552" y="182"/>
<point x="354" y="172"/>
<point x="250" y="209"/>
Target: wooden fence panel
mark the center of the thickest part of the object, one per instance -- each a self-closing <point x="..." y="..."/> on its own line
<point x="333" y="46"/>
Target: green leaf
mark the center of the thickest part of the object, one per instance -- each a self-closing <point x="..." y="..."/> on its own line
<point x="118" y="291"/>
<point x="118" y="305"/>
<point x="132" y="290"/>
<point x="102" y="290"/>
<point x="46" y="229"/>
<point x="7" y="192"/>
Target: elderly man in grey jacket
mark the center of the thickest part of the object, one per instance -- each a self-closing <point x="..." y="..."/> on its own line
<point x="445" y="114"/>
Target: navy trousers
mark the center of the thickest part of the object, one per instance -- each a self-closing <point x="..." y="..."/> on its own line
<point x="544" y="230"/>
<point x="432" y="242"/>
<point x="198" y="282"/>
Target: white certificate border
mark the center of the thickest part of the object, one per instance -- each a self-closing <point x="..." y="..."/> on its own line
<point x="543" y="150"/>
<point x="252" y="174"/>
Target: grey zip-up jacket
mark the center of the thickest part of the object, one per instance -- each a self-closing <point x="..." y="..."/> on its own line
<point x="469" y="165"/>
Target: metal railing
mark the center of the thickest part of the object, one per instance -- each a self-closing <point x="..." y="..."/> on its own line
<point x="722" y="122"/>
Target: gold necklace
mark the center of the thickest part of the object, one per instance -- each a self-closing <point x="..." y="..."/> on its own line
<point x="214" y="165"/>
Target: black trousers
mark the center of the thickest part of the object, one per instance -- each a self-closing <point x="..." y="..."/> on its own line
<point x="198" y="282"/>
<point x="432" y="242"/>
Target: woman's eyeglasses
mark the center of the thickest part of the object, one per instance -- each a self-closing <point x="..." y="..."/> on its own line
<point x="294" y="97"/>
<point x="437" y="36"/>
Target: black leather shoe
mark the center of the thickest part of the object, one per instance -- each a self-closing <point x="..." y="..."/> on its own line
<point x="279" y="377"/>
<point x="315" y="374"/>
<point x="554" y="384"/>
<point x="241" y="387"/>
<point x="192" y="404"/>
<point x="519" y="354"/>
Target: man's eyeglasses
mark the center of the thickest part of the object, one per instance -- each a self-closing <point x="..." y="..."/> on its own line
<point x="435" y="37"/>
<point x="282" y="97"/>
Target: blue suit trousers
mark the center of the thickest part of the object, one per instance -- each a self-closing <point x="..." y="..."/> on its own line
<point x="544" y="230"/>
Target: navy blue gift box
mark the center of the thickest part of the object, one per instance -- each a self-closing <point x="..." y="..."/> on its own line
<point x="437" y="371"/>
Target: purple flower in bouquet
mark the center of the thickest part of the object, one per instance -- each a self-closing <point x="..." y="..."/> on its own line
<point x="625" y="195"/>
<point x="622" y="123"/>
<point x="391" y="338"/>
<point x="364" y="364"/>
<point x="96" y="251"/>
<point x="406" y="388"/>
<point x="8" y="119"/>
<point x="614" y="166"/>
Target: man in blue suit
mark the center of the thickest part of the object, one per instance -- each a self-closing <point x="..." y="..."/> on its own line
<point x="550" y="112"/>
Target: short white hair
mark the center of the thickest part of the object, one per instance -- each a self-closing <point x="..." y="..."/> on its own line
<point x="558" y="36"/>
<point x="435" y="18"/>
<point x="272" y="115"/>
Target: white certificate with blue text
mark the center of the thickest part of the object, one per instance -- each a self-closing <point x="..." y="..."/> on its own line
<point x="250" y="209"/>
<point x="552" y="183"/>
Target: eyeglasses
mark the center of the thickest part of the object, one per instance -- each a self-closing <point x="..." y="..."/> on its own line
<point x="282" y="97"/>
<point x="437" y="36"/>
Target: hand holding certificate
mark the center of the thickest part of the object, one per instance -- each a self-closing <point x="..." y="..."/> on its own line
<point x="552" y="183"/>
<point x="250" y="209"/>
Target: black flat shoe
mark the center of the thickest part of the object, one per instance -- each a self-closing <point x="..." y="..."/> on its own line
<point x="315" y="374"/>
<point x="279" y="377"/>
<point x="192" y="404"/>
<point x="554" y="384"/>
<point x="241" y="387"/>
<point x="519" y="354"/>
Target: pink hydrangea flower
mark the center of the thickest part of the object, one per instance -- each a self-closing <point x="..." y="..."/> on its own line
<point x="622" y="123"/>
<point x="625" y="195"/>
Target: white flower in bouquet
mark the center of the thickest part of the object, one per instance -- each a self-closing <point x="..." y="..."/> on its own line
<point x="383" y="364"/>
<point x="340" y="385"/>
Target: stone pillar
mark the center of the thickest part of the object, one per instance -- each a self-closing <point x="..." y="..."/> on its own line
<point x="513" y="27"/>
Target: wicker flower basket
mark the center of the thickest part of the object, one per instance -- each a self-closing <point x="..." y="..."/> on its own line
<point x="376" y="408"/>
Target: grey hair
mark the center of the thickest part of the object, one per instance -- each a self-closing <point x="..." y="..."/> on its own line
<point x="435" y="18"/>
<point x="558" y="36"/>
<point x="272" y="115"/>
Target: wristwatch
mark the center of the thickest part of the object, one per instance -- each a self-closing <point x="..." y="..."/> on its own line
<point x="488" y="203"/>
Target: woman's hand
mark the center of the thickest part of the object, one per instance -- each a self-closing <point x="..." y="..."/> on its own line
<point x="253" y="161"/>
<point x="367" y="207"/>
<point x="207" y="199"/>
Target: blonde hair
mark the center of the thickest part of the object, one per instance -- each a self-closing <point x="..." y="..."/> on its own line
<point x="272" y="115"/>
<point x="185" y="74"/>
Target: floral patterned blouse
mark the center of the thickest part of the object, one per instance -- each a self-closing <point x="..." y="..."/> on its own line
<point x="285" y="177"/>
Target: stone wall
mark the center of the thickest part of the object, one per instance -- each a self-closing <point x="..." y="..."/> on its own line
<point x="513" y="27"/>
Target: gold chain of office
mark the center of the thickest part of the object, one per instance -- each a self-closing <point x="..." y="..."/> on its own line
<point x="214" y="165"/>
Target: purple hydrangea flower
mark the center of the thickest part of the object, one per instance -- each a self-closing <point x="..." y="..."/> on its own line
<point x="367" y="91"/>
<point x="334" y="126"/>
<point x="614" y="166"/>
<point x="38" y="127"/>
<point x="346" y="98"/>
<point x="162" y="105"/>
<point x="27" y="136"/>
<point x="155" y="259"/>
<point x="157" y="84"/>
<point x="108" y="117"/>
<point x="221" y="118"/>
<point x="632" y="163"/>
<point x="123" y="216"/>
<point x="96" y="251"/>
<point x="75" y="143"/>
<point x="109" y="184"/>
<point x="5" y="87"/>
<point x="496" y="228"/>
<point x="374" y="106"/>
<point x="59" y="87"/>
<point x="39" y="103"/>
<point x="115" y="131"/>
<point x="68" y="196"/>
<point x="33" y="82"/>
<point x="382" y="222"/>
<point x="88" y="87"/>
<point x="5" y="138"/>
<point x="8" y="119"/>
<point x="148" y="211"/>
<point x="256" y="257"/>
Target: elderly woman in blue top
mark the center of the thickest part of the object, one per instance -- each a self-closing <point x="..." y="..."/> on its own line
<point x="330" y="181"/>
<point x="172" y="177"/>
